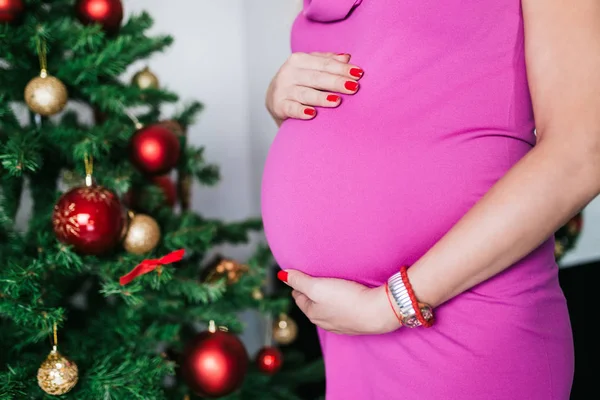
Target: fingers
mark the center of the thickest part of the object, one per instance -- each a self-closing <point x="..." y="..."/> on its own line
<point x="313" y="97"/>
<point x="300" y="282"/>
<point x="303" y="302"/>
<point x="336" y="65"/>
<point x="301" y="102"/>
<point x="343" y="57"/>
<point x="307" y="81"/>
<point x="326" y="81"/>
<point x="293" y="109"/>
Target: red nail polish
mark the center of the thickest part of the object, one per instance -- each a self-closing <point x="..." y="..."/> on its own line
<point x="309" y="111"/>
<point x="333" y="98"/>
<point x="282" y="276"/>
<point x="351" y="85"/>
<point x="341" y="54"/>
<point x="356" y="72"/>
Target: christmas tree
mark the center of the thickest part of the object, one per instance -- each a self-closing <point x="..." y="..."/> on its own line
<point x="112" y="288"/>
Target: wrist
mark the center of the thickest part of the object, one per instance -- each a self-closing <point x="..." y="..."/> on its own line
<point x="384" y="311"/>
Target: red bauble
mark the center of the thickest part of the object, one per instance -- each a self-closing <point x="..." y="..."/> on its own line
<point x="269" y="360"/>
<point x="134" y="198"/>
<point x="155" y="149"/>
<point x="108" y="13"/>
<point x="168" y="188"/>
<point x="577" y="221"/>
<point x="91" y="219"/>
<point x="214" y="364"/>
<point x="10" y="10"/>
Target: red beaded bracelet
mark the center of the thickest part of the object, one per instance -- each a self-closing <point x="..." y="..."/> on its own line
<point x="413" y="299"/>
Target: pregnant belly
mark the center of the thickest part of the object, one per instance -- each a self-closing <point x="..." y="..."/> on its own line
<point x="354" y="201"/>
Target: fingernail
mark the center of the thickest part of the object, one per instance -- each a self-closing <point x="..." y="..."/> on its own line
<point x="309" y="111"/>
<point x="357" y="72"/>
<point x="351" y="85"/>
<point x="282" y="276"/>
<point x="342" y="54"/>
<point x="333" y="98"/>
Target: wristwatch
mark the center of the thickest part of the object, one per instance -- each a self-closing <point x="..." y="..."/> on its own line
<point x="407" y="311"/>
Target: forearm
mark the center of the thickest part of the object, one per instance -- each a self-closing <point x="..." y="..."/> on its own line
<point x="535" y="198"/>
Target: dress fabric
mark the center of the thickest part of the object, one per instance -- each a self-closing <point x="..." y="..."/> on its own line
<point x="443" y="112"/>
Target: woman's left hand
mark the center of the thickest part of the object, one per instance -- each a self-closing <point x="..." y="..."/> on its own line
<point x="341" y="306"/>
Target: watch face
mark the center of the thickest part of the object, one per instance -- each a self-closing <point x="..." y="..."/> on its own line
<point x="413" y="322"/>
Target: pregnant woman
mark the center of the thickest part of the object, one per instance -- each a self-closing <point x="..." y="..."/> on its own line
<point x="427" y="152"/>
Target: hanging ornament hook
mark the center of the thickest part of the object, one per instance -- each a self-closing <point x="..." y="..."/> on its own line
<point x="89" y="169"/>
<point x="41" y="50"/>
<point x="55" y="337"/>
<point x="132" y="117"/>
<point x="212" y="327"/>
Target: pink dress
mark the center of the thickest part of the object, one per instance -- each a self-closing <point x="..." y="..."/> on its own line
<point x="442" y="113"/>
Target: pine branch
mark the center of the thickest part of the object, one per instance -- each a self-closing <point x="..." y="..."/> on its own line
<point x="187" y="116"/>
<point x="194" y="164"/>
<point x="10" y="195"/>
<point x="11" y="383"/>
<point x="7" y="116"/>
<point x="21" y="153"/>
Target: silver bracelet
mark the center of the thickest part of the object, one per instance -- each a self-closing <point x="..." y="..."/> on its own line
<point x="400" y="295"/>
<point x="409" y="315"/>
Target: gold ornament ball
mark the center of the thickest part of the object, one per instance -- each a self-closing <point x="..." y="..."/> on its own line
<point x="145" y="79"/>
<point x="46" y="95"/>
<point x="559" y="250"/>
<point x="285" y="330"/>
<point x="57" y="375"/>
<point x="230" y="269"/>
<point x="143" y="235"/>
<point x="257" y="294"/>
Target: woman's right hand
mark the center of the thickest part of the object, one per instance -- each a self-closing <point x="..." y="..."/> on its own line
<point x="312" y="80"/>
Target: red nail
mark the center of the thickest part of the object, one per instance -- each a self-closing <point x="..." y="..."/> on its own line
<point x="351" y="85"/>
<point x="357" y="72"/>
<point x="341" y="54"/>
<point x="282" y="276"/>
<point x="309" y="111"/>
<point x="333" y="98"/>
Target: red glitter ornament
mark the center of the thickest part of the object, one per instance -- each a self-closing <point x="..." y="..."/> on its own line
<point x="214" y="364"/>
<point x="10" y="10"/>
<point x="155" y="149"/>
<point x="90" y="218"/>
<point x="269" y="360"/>
<point x="108" y="13"/>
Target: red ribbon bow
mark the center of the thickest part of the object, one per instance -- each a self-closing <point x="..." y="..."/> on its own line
<point x="150" y="265"/>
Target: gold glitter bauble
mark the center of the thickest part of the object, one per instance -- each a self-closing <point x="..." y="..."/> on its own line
<point x="257" y="294"/>
<point x="142" y="236"/>
<point x="145" y="79"/>
<point x="57" y="374"/>
<point x="46" y="95"/>
<point x="559" y="250"/>
<point x="230" y="269"/>
<point x="285" y="330"/>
